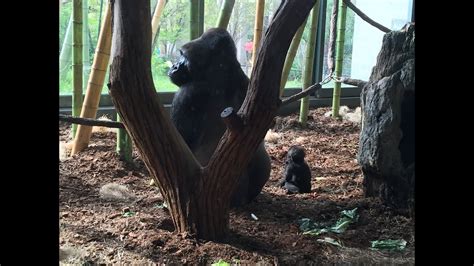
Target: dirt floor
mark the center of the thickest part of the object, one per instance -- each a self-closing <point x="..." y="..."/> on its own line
<point x="137" y="229"/>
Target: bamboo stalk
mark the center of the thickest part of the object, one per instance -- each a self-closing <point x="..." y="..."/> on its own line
<point x="258" y="27"/>
<point x="65" y="55"/>
<point x="124" y="143"/>
<point x="100" y="17"/>
<point x="290" y="57"/>
<point x="95" y="83"/>
<point x="77" y="60"/>
<point x="341" y="28"/>
<point x="309" y="62"/>
<point x="200" y="17"/>
<point x="193" y="19"/>
<point x="85" y="43"/>
<point x="224" y="16"/>
<point x="155" y="21"/>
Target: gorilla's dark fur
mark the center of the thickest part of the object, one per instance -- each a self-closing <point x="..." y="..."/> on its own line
<point x="297" y="177"/>
<point x="210" y="79"/>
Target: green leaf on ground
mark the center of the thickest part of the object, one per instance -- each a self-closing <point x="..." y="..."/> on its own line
<point x="221" y="263"/>
<point x="389" y="244"/>
<point x="128" y="214"/>
<point x="331" y="241"/>
<point x="312" y="228"/>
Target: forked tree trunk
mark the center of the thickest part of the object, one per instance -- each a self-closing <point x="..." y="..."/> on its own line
<point x="198" y="196"/>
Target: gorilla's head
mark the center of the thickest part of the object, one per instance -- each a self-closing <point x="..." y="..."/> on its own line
<point x="213" y="52"/>
<point x="295" y="154"/>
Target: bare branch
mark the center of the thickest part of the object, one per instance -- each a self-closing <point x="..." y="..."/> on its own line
<point x="365" y="17"/>
<point x="354" y="82"/>
<point x="301" y="94"/>
<point x="90" y="121"/>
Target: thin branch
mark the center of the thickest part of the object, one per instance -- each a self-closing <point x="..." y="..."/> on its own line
<point x="365" y="17"/>
<point x="301" y="94"/>
<point x="354" y="82"/>
<point x="90" y="122"/>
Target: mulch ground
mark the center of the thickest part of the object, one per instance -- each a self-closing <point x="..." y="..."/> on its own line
<point x="95" y="230"/>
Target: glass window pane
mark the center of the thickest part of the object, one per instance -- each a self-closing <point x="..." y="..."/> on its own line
<point x="362" y="40"/>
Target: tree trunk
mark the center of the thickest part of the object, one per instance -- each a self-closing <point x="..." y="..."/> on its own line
<point x="387" y="145"/>
<point x="198" y="196"/>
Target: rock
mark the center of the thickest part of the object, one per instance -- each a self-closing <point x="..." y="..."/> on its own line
<point x="386" y="149"/>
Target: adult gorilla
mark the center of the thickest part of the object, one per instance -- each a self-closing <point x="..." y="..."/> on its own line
<point x="210" y="79"/>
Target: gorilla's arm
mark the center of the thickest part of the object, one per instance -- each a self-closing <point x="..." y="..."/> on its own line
<point x="289" y="174"/>
<point x="187" y="115"/>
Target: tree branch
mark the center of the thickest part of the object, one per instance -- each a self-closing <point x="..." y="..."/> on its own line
<point x="365" y="17"/>
<point x="299" y="95"/>
<point x="90" y="121"/>
<point x="354" y="82"/>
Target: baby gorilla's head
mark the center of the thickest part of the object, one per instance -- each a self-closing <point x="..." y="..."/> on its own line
<point x="296" y="154"/>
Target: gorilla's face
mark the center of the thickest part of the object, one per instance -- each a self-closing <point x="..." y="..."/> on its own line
<point x="179" y="72"/>
<point x="296" y="154"/>
<point x="208" y="53"/>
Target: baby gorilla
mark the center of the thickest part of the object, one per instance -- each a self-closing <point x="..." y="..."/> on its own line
<point x="297" y="177"/>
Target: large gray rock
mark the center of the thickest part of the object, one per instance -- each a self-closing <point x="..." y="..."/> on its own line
<point x="387" y="139"/>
